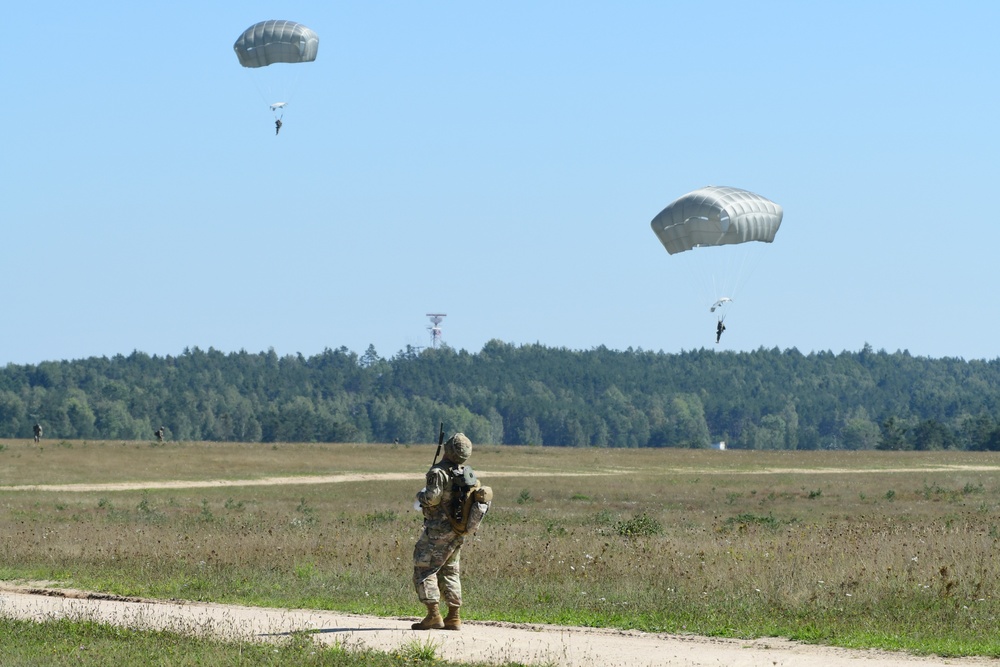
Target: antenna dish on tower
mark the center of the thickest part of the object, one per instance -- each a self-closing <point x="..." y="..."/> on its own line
<point x="434" y="328"/>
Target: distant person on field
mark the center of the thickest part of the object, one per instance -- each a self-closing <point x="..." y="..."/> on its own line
<point x="38" y="431"/>
<point x="159" y="434"/>
<point x="453" y="503"/>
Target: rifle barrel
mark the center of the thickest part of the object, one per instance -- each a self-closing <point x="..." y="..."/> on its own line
<point x="440" y="444"/>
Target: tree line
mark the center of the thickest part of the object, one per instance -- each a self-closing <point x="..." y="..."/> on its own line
<point x="517" y="394"/>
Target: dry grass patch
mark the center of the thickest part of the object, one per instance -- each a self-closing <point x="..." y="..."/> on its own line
<point x="858" y="548"/>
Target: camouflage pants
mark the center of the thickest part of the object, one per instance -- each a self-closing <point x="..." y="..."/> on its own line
<point x="436" y="564"/>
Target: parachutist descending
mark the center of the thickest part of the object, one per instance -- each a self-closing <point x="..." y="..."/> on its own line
<point x="271" y="42"/>
<point x="714" y="216"/>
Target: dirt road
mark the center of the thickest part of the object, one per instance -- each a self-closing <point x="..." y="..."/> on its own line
<point x="418" y="477"/>
<point x="479" y="641"/>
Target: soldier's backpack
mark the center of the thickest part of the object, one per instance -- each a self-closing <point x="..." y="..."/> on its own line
<point x="470" y="500"/>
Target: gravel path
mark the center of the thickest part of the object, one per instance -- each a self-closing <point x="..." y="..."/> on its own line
<point x="478" y="641"/>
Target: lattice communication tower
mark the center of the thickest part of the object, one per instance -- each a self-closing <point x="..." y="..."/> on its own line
<point x="435" y="327"/>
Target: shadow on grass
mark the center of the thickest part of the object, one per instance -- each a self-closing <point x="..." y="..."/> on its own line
<point x="321" y="631"/>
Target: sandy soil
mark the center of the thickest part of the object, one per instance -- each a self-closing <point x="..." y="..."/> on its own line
<point x="418" y="477"/>
<point x="480" y="641"/>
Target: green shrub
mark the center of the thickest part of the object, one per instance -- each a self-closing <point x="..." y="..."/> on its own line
<point x="747" y="519"/>
<point x="639" y="526"/>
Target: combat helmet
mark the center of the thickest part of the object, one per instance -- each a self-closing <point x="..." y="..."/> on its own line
<point x="458" y="448"/>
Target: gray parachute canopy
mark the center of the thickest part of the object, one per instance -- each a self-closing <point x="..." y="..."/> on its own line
<point x="716" y="215"/>
<point x="270" y="42"/>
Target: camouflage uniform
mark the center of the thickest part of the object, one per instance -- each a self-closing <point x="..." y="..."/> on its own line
<point x="437" y="554"/>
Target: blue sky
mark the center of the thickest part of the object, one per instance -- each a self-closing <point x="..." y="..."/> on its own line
<point x="499" y="163"/>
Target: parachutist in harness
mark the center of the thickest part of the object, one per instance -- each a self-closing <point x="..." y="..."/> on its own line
<point x="719" y="328"/>
<point x="277" y="126"/>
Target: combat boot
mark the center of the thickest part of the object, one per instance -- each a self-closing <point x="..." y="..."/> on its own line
<point x="432" y="620"/>
<point x="452" y="621"/>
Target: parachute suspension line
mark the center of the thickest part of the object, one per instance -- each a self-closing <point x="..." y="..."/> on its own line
<point x="719" y="273"/>
<point x="732" y="268"/>
<point x="710" y="273"/>
<point x="704" y="277"/>
<point x="749" y="261"/>
<point x="288" y="89"/>
<point x="294" y="85"/>
<point x="260" y="91"/>
<point x="263" y="81"/>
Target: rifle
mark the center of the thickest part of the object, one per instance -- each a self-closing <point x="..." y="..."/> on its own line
<point x="440" y="444"/>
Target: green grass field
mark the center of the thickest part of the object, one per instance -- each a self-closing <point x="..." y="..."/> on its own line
<point x="858" y="549"/>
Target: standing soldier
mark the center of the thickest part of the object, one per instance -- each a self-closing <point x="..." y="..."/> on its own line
<point x="159" y="434"/>
<point x="38" y="431"/>
<point x="453" y="503"/>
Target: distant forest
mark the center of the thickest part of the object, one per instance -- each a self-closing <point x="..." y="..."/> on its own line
<point x="517" y="394"/>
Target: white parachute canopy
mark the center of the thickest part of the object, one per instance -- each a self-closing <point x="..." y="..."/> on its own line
<point x="274" y="51"/>
<point x="709" y="220"/>
<point x="716" y="215"/>
<point x="270" y="42"/>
